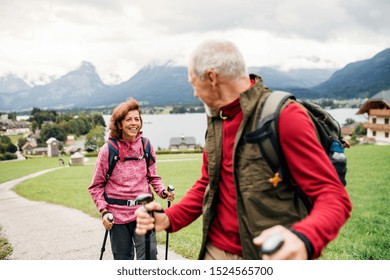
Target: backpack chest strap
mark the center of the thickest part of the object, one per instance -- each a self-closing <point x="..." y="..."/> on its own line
<point x="133" y="158"/>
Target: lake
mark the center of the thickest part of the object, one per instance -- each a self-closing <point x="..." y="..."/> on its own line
<point x="160" y="128"/>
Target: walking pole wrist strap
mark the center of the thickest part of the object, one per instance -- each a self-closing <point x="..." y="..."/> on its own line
<point x="105" y="213"/>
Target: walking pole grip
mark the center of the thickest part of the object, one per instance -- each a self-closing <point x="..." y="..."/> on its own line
<point x="111" y="219"/>
<point x="145" y="199"/>
<point x="169" y="189"/>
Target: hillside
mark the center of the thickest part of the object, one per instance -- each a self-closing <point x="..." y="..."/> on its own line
<point x="360" y="79"/>
<point x="161" y="85"/>
<point x="153" y="85"/>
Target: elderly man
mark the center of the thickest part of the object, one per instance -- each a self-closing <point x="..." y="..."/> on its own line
<point x="239" y="204"/>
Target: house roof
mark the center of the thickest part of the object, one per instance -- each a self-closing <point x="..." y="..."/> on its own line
<point x="380" y="100"/>
<point x="51" y="140"/>
<point x="77" y="155"/>
<point x="40" y="149"/>
<point x="183" y="140"/>
<point x="29" y="145"/>
<point x="346" y="130"/>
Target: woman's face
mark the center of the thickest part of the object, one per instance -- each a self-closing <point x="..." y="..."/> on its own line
<point x="131" y="125"/>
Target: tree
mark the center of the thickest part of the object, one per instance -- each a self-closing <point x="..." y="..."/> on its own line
<point x="6" y="146"/>
<point x="84" y="124"/>
<point x="72" y="127"/>
<point x="95" y="138"/>
<point x="349" y="121"/>
<point x="178" y="110"/>
<point x="11" y="149"/>
<point x="12" y="116"/>
<point x="98" y="119"/>
<point x="41" y="116"/>
<point x="21" y="142"/>
<point x="34" y="126"/>
<point x="53" y="130"/>
<point x="5" y="140"/>
<point x="360" y="130"/>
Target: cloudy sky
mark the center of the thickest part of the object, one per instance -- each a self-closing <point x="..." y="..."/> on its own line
<point x="44" y="39"/>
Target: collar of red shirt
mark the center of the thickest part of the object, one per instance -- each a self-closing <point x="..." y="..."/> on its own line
<point x="230" y="110"/>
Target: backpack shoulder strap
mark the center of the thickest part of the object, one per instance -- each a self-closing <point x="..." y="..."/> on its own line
<point x="266" y="133"/>
<point x="274" y="103"/>
<point x="147" y="154"/>
<point x="113" y="156"/>
<point x="266" y="136"/>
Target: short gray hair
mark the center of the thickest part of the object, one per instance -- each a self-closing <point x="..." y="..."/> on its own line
<point x="221" y="56"/>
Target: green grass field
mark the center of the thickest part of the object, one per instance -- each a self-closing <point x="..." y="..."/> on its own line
<point x="15" y="169"/>
<point x="5" y="248"/>
<point x="366" y="234"/>
<point x="364" y="237"/>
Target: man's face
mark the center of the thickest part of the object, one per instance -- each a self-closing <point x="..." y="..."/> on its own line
<point x="202" y="88"/>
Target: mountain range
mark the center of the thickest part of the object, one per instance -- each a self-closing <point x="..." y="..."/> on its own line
<point x="161" y="85"/>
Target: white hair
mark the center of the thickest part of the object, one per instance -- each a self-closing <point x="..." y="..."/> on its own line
<point x="221" y="56"/>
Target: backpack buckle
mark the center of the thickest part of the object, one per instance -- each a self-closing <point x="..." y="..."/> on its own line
<point x="131" y="203"/>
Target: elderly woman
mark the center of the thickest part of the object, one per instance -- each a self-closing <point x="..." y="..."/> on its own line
<point x="128" y="179"/>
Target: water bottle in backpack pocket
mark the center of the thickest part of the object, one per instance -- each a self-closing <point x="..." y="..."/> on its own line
<point x="339" y="160"/>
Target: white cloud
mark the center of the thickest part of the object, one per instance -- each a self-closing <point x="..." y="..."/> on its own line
<point x="42" y="38"/>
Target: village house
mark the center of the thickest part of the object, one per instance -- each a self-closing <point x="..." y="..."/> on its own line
<point x="182" y="143"/>
<point x="347" y="130"/>
<point x="29" y="146"/>
<point x="77" y="159"/>
<point x="53" y="147"/>
<point x="378" y="111"/>
<point x="38" y="151"/>
<point x="10" y="127"/>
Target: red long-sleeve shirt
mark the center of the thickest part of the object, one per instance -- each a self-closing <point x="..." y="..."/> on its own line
<point x="310" y="167"/>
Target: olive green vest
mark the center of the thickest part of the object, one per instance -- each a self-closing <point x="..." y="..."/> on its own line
<point x="260" y="205"/>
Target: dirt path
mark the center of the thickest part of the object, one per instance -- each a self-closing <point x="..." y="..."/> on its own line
<point x="44" y="231"/>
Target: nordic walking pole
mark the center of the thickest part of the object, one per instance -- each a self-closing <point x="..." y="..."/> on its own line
<point x="110" y="218"/>
<point x="145" y="199"/>
<point x="170" y="189"/>
<point x="272" y="244"/>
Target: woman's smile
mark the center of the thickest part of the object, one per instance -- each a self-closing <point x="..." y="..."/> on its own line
<point x="131" y="125"/>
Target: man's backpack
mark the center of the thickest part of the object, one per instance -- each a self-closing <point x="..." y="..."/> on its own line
<point x="327" y="129"/>
<point x="113" y="157"/>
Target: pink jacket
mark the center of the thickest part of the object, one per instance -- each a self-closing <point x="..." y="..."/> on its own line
<point x="128" y="179"/>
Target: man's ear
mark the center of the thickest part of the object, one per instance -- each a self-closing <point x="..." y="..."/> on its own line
<point x="212" y="77"/>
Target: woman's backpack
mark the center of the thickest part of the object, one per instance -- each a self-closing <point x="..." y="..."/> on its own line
<point x="113" y="154"/>
<point x="113" y="157"/>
